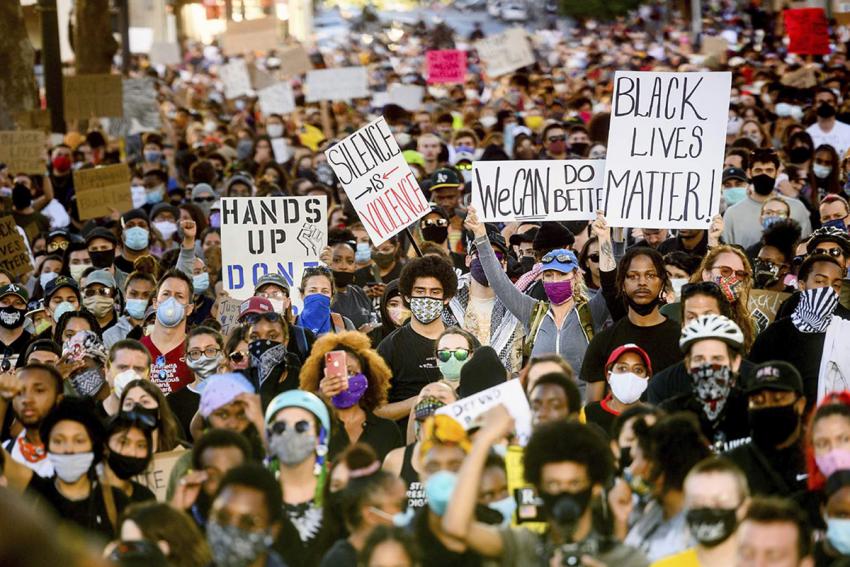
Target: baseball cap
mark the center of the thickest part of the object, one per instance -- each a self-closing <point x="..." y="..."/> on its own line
<point x="102" y="277"/>
<point x="734" y="173"/>
<point x="255" y="305"/>
<point x="629" y="347"/>
<point x="445" y="178"/>
<point x="220" y="389"/>
<point x="276" y="279"/>
<point x="496" y="240"/>
<point x="60" y="282"/>
<point x="100" y="232"/>
<point x="774" y="375"/>
<point x="560" y="260"/>
<point x="528" y="236"/>
<point x="15" y="289"/>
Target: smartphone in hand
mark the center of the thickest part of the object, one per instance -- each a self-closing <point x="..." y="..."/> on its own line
<point x="336" y="364"/>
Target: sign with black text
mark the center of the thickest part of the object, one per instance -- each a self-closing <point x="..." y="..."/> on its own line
<point x="378" y="181"/>
<point x="550" y="190"/>
<point x="261" y="235"/>
<point x="665" y="152"/>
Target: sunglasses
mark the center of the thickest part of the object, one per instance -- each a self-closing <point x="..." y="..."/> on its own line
<point x="54" y="246"/>
<point x="279" y="427"/>
<point x="557" y="139"/>
<point x="460" y="354"/>
<point x="559" y="257"/>
<point x="204" y="199"/>
<point x="464" y="166"/>
<point x="103" y="292"/>
<point x="727" y="272"/>
<point x="253" y="318"/>
<point x="834" y="252"/>
<point x="209" y="352"/>
<point x="435" y="222"/>
<point x="593" y="258"/>
<point x="237" y="356"/>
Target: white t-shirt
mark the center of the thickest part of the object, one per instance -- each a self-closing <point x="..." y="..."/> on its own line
<point x="42" y="467"/>
<point x="838" y="137"/>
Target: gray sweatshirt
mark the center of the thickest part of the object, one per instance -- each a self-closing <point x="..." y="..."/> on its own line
<point x="568" y="341"/>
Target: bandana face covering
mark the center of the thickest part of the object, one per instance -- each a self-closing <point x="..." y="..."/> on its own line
<point x="88" y="382"/>
<point x="814" y="312"/>
<point x="265" y="356"/>
<point x="712" y="384"/>
<point x="730" y="286"/>
<point x="316" y="314"/>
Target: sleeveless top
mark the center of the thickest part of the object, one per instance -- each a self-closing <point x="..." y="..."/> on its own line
<point x="415" y="489"/>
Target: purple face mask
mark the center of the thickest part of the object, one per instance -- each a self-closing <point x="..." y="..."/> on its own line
<point x="476" y="270"/>
<point x="357" y="385"/>
<point x="558" y="292"/>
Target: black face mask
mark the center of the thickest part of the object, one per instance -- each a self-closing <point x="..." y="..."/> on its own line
<point x="102" y="259"/>
<point x="711" y="526"/>
<point x="12" y="318"/>
<point x="643" y="309"/>
<point x="800" y="154"/>
<point x="125" y="467"/>
<point x="343" y="279"/>
<point x="773" y="426"/>
<point x="565" y="508"/>
<point x="146" y="417"/>
<point x="579" y="148"/>
<point x="826" y="110"/>
<point x="527" y="263"/>
<point x="434" y="233"/>
<point x="766" y="274"/>
<point x="763" y="184"/>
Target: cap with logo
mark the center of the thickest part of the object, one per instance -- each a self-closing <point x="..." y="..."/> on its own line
<point x="55" y="284"/>
<point x="774" y="375"/>
<point x="255" y="305"/>
<point x="734" y="173"/>
<point x="275" y="279"/>
<point x="445" y="178"/>
<point x="15" y="289"/>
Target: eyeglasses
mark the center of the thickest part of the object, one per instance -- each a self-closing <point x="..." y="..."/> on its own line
<point x="727" y="272"/>
<point x="279" y="427"/>
<point x="559" y="257"/>
<point x="834" y="252"/>
<point x="102" y="292"/>
<point x="464" y="166"/>
<point x="593" y="258"/>
<point x="253" y="318"/>
<point x="460" y="354"/>
<point x="209" y="352"/>
<point x="237" y="356"/>
<point x="434" y="222"/>
<point x="54" y="246"/>
<point x="557" y="139"/>
<point x="204" y="199"/>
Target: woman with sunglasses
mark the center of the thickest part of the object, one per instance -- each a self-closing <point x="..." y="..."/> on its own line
<point x="204" y="357"/>
<point x="588" y="261"/>
<point x="128" y="452"/>
<point x="355" y="395"/>
<point x="454" y="348"/>
<point x="144" y="402"/>
<point x="236" y="349"/>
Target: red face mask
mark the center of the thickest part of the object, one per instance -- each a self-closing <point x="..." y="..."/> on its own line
<point x="61" y="164"/>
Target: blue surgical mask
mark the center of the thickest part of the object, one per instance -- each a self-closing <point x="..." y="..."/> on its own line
<point x="399" y="520"/>
<point x="153" y="156"/>
<point x="821" y="171"/>
<point x="170" y="312"/>
<point x="136" y="308"/>
<point x="154" y="196"/>
<point x="136" y="238"/>
<point x="201" y="282"/>
<point x="506" y="507"/>
<point x="734" y="195"/>
<point x="61" y="309"/>
<point x="838" y="534"/>
<point x="439" y="489"/>
<point x="769" y="221"/>
<point x="47" y="277"/>
<point x="363" y="253"/>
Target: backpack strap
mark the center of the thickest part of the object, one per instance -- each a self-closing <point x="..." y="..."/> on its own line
<point x="301" y="341"/>
<point x="585" y="318"/>
<point x="537" y="316"/>
<point x="338" y="322"/>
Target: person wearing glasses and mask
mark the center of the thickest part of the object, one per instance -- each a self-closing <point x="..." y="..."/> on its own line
<point x="204" y="357"/>
<point x="434" y="227"/>
<point x="100" y="297"/>
<point x="275" y="288"/>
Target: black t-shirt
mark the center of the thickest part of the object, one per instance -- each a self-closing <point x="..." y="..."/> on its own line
<point x="382" y="435"/>
<point x="354" y="304"/>
<point x="89" y="513"/>
<point x="15" y="351"/>
<point x="439" y="554"/>
<point x="661" y="343"/>
<point x="365" y="276"/>
<point x="141" y="493"/>
<point x="675" y="381"/>
<point x="411" y="358"/>
<point x="341" y="554"/>
<point x="674" y="244"/>
<point x="771" y="472"/>
<point x="184" y="403"/>
<point x="601" y="414"/>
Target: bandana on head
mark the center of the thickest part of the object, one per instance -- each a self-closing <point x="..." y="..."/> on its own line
<point x="712" y="385"/>
<point x="814" y="312"/>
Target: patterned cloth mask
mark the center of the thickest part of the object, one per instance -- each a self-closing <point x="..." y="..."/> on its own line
<point x="814" y="312"/>
<point x="265" y="356"/>
<point x="712" y="385"/>
<point x="426" y="309"/>
<point x="231" y="546"/>
<point x="88" y="382"/>
<point x="730" y="286"/>
<point x="357" y="385"/>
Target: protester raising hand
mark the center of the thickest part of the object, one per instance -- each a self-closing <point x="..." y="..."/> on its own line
<point x="472" y="224"/>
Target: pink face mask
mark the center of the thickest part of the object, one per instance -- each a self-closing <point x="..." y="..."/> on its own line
<point x="835" y="460"/>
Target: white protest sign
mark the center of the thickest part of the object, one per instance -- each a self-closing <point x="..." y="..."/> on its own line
<point x="276" y="99"/>
<point x="235" y="77"/>
<point x="409" y="97"/>
<point x="261" y="235"/>
<point x="164" y="53"/>
<point x="551" y="190"/>
<point x="378" y="181"/>
<point x="509" y="394"/>
<point x="665" y="150"/>
<point x="344" y="83"/>
<point x="505" y="52"/>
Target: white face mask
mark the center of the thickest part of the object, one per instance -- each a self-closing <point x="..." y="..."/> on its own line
<point x="627" y="387"/>
<point x="274" y="130"/>
<point x="677" y="284"/>
<point x="71" y="467"/>
<point x="120" y="381"/>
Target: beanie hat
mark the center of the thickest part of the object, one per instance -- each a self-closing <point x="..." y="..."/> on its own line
<point x="484" y="370"/>
<point x="552" y="235"/>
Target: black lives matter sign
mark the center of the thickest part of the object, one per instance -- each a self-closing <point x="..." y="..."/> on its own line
<point x="665" y="153"/>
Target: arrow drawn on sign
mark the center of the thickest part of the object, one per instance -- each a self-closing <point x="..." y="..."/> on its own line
<point x="390" y="172"/>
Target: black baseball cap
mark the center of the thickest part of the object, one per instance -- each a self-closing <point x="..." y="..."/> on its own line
<point x="774" y="375"/>
<point x="59" y="282"/>
<point x="734" y="173"/>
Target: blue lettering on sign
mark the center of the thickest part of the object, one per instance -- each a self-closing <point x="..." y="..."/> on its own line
<point x="236" y="273"/>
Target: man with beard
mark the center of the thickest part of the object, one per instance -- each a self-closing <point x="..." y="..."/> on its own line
<point x="712" y="345"/>
<point x="773" y="460"/>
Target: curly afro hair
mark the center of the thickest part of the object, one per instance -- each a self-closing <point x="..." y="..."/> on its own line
<point x="428" y="267"/>
<point x="359" y="346"/>
<point x="782" y="235"/>
<point x="561" y="441"/>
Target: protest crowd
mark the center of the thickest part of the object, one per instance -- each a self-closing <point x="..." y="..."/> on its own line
<point x="355" y="319"/>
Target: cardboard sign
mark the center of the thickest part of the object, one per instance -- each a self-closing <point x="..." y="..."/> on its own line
<point x="102" y="189"/>
<point x="38" y="119"/>
<point x="228" y="314"/>
<point x="378" y="181"/>
<point x="23" y="151"/>
<point x="261" y="235"/>
<point x="260" y="79"/>
<point x="250" y="35"/>
<point x="548" y="190"/>
<point x="409" y="97"/>
<point x="510" y="394"/>
<point x="665" y="152"/>
<point x="164" y="53"/>
<point x="447" y="66"/>
<point x="14" y="254"/>
<point x="505" y="52"/>
<point x="763" y="305"/>
<point x="808" y="31"/>
<point x="802" y="78"/>
<point x="235" y="78"/>
<point x="140" y="106"/>
<point x="276" y="99"/>
<point x="86" y="96"/>
<point x="294" y="60"/>
<point x="343" y="83"/>
<point x="715" y="46"/>
<point x="155" y="478"/>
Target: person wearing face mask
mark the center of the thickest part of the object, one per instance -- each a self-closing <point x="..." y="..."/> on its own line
<point x="135" y="242"/>
<point x="355" y="391"/>
<point x="100" y="297"/>
<point x="554" y="142"/>
<point x="275" y="288"/>
<point x="25" y="215"/>
<point x="773" y="460"/>
<point x="164" y="217"/>
<point x="203" y="297"/>
<point x="454" y="349"/>
<point x="835" y="547"/>
<point x="318" y="291"/>
<point x="156" y="181"/>
<point x="128" y="452"/>
<point x="566" y="323"/>
<point x="74" y="439"/>
<point x="14" y="340"/>
<point x="128" y="360"/>
<point x="299" y="430"/>
<point x="569" y="464"/>
<point x="76" y="258"/>
<point x="713" y="347"/>
<point x="203" y="195"/>
<point x="476" y="308"/>
<point x="716" y="497"/>
<point x="825" y="171"/>
<point x="734" y="187"/>
<point x="393" y="313"/>
<point x="773" y="256"/>
<point x="60" y="173"/>
<point x="204" y="357"/>
<point x="349" y="300"/>
<point x="828" y="129"/>
<point x="384" y="267"/>
<point x="152" y="156"/>
<point x="138" y="288"/>
<point x="629" y="371"/>
<point x="819" y="281"/>
<point x="741" y="222"/>
<point x="61" y="295"/>
<point x="435" y="227"/>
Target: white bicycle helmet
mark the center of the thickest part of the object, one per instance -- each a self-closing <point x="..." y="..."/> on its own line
<point x="712" y="327"/>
